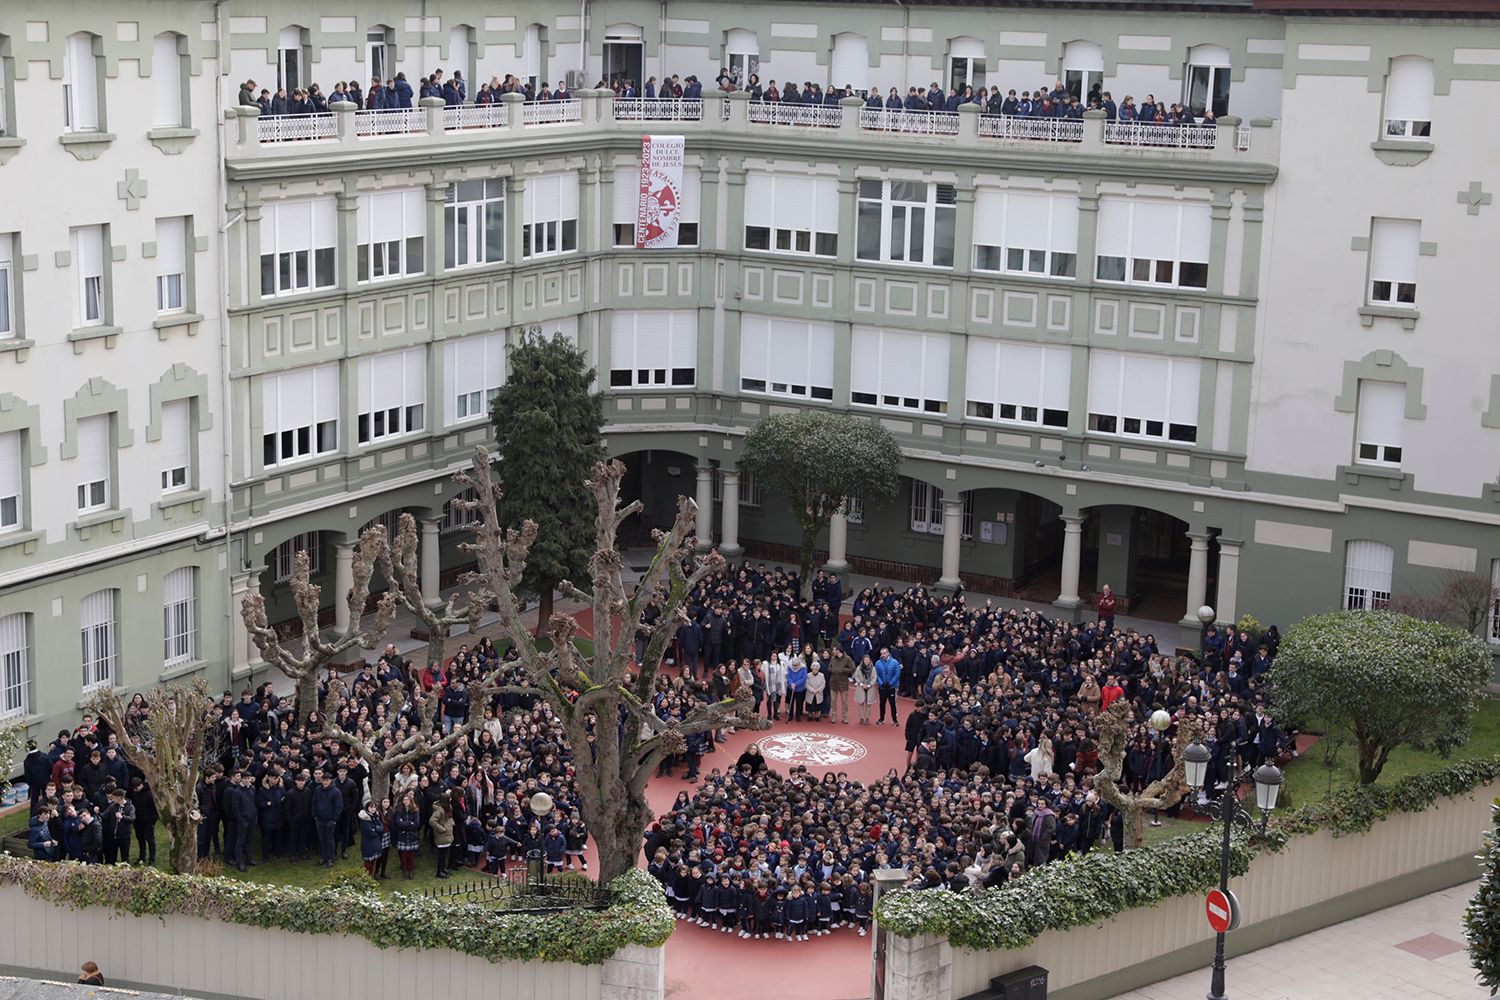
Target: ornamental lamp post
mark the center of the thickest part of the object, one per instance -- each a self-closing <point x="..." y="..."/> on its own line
<point x="1267" y="779"/>
<point x="1206" y="616"/>
<point x="540" y="805"/>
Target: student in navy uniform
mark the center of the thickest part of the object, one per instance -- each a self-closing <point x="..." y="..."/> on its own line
<point x="796" y="915"/>
<point x="744" y="909"/>
<point x="403" y="91"/>
<point x="705" y="902"/>
<point x="824" y="899"/>
<point x="760" y="912"/>
<point x="778" y="912"/>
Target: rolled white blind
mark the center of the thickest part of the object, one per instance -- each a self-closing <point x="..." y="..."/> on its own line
<point x="1057" y="371"/>
<point x="826" y="208"/>
<point x="692" y="183"/>
<point x="794" y="202"/>
<point x="293" y="225"/>
<point x="326" y="392"/>
<point x="1153" y="233"/>
<point x="865" y="362"/>
<point x="1064" y="223"/>
<point x="786" y="355"/>
<point x="820" y="354"/>
<point x="626" y="195"/>
<point x="12" y="636"/>
<point x="1208" y="55"/>
<point x="414" y="375"/>
<point x="324" y="223"/>
<point x="684" y="332"/>
<point x="935" y="366"/>
<point x="1104" y="381"/>
<point x="1185" y="376"/>
<point x="965" y="47"/>
<point x="1027" y="218"/>
<point x="1020" y="374"/>
<point x="1394" y="249"/>
<point x="1409" y="89"/>
<point x="166" y="82"/>
<point x="88" y="242"/>
<point x="1083" y="55"/>
<point x="982" y="378"/>
<point x="176" y="434"/>
<point x="171" y="246"/>
<point x="850" y="61"/>
<point x="989" y="218"/>
<point x="653" y="340"/>
<point x="93" y="448"/>
<point x="82" y="76"/>
<point x="1114" y="228"/>
<point x="543" y="198"/>
<point x="1146" y="386"/>
<point x="10" y="464"/>
<point x="901" y="363"/>
<point x="754" y="335"/>
<point x="1382" y="412"/>
<point x="567" y="196"/>
<point x="1197" y="224"/>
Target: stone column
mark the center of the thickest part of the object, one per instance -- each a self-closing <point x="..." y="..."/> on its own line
<point x="729" y="531"/>
<point x="705" y="507"/>
<point x="1197" y="580"/>
<point x="432" y="563"/>
<point x="1072" y="557"/>
<point x="838" y="543"/>
<point x="953" y="526"/>
<point x="347" y="253"/>
<point x="343" y="582"/>
<point x="1229" y="580"/>
<point x="244" y="657"/>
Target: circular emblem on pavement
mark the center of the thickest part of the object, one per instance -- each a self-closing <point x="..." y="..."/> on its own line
<point x="812" y="749"/>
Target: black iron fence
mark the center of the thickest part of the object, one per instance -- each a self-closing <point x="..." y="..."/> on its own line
<point x="526" y="889"/>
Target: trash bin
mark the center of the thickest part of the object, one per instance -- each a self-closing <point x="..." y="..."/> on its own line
<point x="1029" y="983"/>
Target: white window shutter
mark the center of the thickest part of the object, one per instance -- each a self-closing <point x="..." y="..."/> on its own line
<point x="82" y="75"/>
<point x="989" y="218"/>
<point x="166" y="82"/>
<point x="1027" y="217"/>
<point x="1064" y="223"/>
<point x="294" y="226"/>
<point x="826" y="204"/>
<point x="326" y="393"/>
<point x="1083" y="56"/>
<point x="1020" y="373"/>
<point x="97" y="609"/>
<point x="1146" y="384"/>
<point x="1382" y="412"/>
<point x="820" y="354"/>
<point x="1409" y="89"/>
<point x="1153" y="232"/>
<point x="626" y="195"/>
<point x="786" y="355"/>
<point x="684" y="345"/>
<point x="1114" y="228"/>
<point x="1394" y="249"/>
<point x="795" y="203"/>
<point x="324" y="212"/>
<point x="171" y="246"/>
<point x="10" y="464"/>
<point x="1185" y="375"/>
<point x="850" y="61"/>
<point x="567" y="196"/>
<point x="1104" y="381"/>
<point x="1057" y="375"/>
<point x="754" y="335"/>
<point x="1197" y="227"/>
<point x="176" y="434"/>
<point x="865" y="360"/>
<point x="935" y="367"/>
<point x="901" y="359"/>
<point x="93" y="448"/>
<point x="982" y="374"/>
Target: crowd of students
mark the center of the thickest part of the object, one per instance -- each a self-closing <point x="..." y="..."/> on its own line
<point x="1000" y="741"/>
<point x="1055" y="101"/>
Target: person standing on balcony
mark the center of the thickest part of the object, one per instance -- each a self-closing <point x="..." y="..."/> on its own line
<point x="403" y="91"/>
<point x="561" y="93"/>
<point x="693" y="91"/>
<point x="375" y="101"/>
<point x="460" y="85"/>
<point x="247" y="94"/>
<point x="1107" y="105"/>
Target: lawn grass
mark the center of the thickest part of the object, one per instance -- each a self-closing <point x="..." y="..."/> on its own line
<point x="1170" y="829"/>
<point x="1308" y="779"/>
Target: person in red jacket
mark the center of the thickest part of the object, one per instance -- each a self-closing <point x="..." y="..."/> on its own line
<point x="1104" y="603"/>
<point x="1110" y="693"/>
<point x="63" y="767"/>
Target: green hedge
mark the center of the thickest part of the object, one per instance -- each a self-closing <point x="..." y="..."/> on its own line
<point x="1482" y="918"/>
<point x="1086" y="889"/>
<point x="640" y="914"/>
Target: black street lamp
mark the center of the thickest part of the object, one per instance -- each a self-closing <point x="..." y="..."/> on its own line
<point x="1268" y="778"/>
<point x="540" y="805"/>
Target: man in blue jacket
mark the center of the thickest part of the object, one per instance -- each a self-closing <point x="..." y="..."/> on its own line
<point x="887" y="676"/>
<point x="327" y="805"/>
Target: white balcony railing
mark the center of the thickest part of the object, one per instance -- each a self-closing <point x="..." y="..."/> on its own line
<point x="476" y="116"/>
<point x="288" y="128"/>
<point x="658" y="109"/>
<point x="909" y="122"/>
<point x="390" y="121"/>
<point x="1031" y="129"/>
<point x="552" y="112"/>
<point x="1160" y="136"/>
<point x="821" y="115"/>
<point x="1242" y="139"/>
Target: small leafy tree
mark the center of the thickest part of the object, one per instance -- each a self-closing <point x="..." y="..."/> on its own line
<point x="11" y="740"/>
<point x="318" y="652"/>
<point x="1460" y="598"/>
<point x="1482" y="918"/>
<point x="817" y="460"/>
<point x="167" y="746"/>
<point x="1382" y="680"/>
<point x="548" y="423"/>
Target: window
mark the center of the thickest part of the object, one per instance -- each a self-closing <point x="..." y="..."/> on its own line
<point x="533" y="50"/>
<point x="390" y="521"/>
<point x="965" y="63"/>
<point x="906" y="371"/>
<point x="455" y="517"/>
<point x="93" y="463"/>
<point x="377" y="53"/>
<point x="390" y="230"/>
<point x="1083" y="69"/>
<point x="650" y="349"/>
<point x="392" y="394"/>
<point x="285" y="556"/>
<point x="749" y="488"/>
<point x="626" y="194"/>
<point x="15" y="667"/>
<point x="88" y="262"/>
<point x="7" y="285"/>
<point x="180" y="617"/>
<point x="624" y="53"/>
<point x="289" y="58"/>
<point x="11" y="479"/>
<point x="474" y="223"/>
<point x="551" y="225"/>
<point x="741" y="55"/>
<point x="788" y="213"/>
<point x="167" y="76"/>
<point x="1025" y="233"/>
<point x="854" y="510"/>
<point x="97" y="625"/>
<point x="927" y="510"/>
<point x="1382" y="417"/>
<point x="909" y="222"/>
<point x="475" y="373"/>
<point x="297" y="240"/>
<point x="80" y="84"/>
<point x="1025" y="383"/>
<point x="300" y="414"/>
<point x="1137" y="395"/>
<point x="1367" y="575"/>
<point x="1206" y="83"/>
<point x="849" y="61"/>
<point x="786" y="357"/>
<point x="1395" y="245"/>
<point x="171" y="265"/>
<point x="1153" y="242"/>
<point x="176" y="445"/>
<point x="1408" y="98"/>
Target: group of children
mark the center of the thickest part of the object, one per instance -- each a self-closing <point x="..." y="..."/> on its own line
<point x="758" y="908"/>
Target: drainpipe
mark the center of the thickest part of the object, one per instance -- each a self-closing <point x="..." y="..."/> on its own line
<point x="583" y="44"/>
<point x="661" y="46"/>
<point x="226" y="424"/>
<point x="905" y="39"/>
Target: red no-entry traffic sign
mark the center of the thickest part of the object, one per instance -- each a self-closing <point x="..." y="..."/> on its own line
<point x="1223" y="910"/>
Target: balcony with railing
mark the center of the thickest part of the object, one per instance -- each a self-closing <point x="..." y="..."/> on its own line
<point x="512" y="119"/>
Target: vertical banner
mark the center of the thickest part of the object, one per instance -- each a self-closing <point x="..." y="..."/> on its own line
<point x="660" y="207"/>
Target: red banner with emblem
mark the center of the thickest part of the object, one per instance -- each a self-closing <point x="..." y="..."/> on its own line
<point x="660" y="206"/>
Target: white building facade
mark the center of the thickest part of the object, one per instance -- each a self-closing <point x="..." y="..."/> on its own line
<point x="1248" y="364"/>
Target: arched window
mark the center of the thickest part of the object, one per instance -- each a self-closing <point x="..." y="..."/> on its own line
<point x="80" y="84"/>
<point x="1367" y="575"/>
<point x="741" y="55"/>
<point x="1083" y="69"/>
<point x="965" y="63"/>
<point x="849" y="63"/>
<point x="168" y="82"/>
<point x="1206" y="83"/>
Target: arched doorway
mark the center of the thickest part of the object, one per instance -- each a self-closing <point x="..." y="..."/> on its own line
<point x="1144" y="555"/>
<point x="656" y="478"/>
